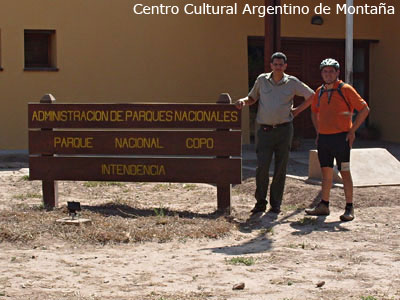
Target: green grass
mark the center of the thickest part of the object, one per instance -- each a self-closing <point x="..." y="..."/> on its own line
<point x="290" y="207"/>
<point x="247" y="261"/>
<point x="113" y="183"/>
<point x="368" y="298"/>
<point x="27" y="196"/>
<point x="161" y="187"/>
<point x="302" y="245"/>
<point x="269" y="230"/>
<point x="91" y="184"/>
<point x="160" y="212"/>
<point x="189" y="186"/>
<point x="306" y="221"/>
<point x="24" y="178"/>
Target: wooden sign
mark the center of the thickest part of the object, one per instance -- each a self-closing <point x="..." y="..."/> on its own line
<point x="135" y="142"/>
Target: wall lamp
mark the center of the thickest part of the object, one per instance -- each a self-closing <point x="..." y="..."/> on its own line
<point x="317" y="20"/>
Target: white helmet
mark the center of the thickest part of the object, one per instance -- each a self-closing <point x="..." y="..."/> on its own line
<point x="329" y="62"/>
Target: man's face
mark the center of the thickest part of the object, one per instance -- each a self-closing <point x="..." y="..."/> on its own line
<point x="329" y="74"/>
<point x="278" y="65"/>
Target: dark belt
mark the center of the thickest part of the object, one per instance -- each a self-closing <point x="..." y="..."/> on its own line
<point x="269" y="127"/>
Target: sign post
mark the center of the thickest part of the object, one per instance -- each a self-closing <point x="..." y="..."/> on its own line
<point x="224" y="191"/>
<point x="49" y="187"/>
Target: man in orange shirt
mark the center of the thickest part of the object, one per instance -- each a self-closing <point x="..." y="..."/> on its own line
<point x="332" y="110"/>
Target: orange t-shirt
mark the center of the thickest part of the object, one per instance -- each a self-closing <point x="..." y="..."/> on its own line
<point x="334" y="116"/>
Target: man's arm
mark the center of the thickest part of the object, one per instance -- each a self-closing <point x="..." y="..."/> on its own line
<point x="244" y="101"/>
<point x="303" y="106"/>
<point x="314" y="119"/>
<point x="252" y="97"/>
<point x="361" y="116"/>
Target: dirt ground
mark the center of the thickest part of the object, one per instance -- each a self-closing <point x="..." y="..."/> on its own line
<point x="163" y="242"/>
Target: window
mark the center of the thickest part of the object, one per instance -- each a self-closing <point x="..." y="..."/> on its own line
<point x="40" y="50"/>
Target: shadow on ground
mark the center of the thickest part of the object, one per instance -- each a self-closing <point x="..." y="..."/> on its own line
<point x="127" y="211"/>
<point x="264" y="223"/>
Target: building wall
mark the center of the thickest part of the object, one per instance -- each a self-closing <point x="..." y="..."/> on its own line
<point x="105" y="53"/>
<point x="385" y="79"/>
<point x="365" y="26"/>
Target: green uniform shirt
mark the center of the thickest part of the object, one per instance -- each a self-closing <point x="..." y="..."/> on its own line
<point x="275" y="100"/>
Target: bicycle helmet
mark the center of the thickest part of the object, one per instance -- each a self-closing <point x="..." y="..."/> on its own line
<point x="329" y="62"/>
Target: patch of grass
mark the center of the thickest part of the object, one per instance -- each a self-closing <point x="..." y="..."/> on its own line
<point x="26" y="224"/>
<point x="33" y="195"/>
<point x="113" y="183"/>
<point x="289" y="207"/>
<point x="306" y="221"/>
<point x="247" y="261"/>
<point x="24" y="178"/>
<point x="189" y="186"/>
<point x="161" y="187"/>
<point x="160" y="212"/>
<point x="368" y="298"/>
<point x="41" y="295"/>
<point x="302" y="245"/>
<point x="178" y="296"/>
<point x="92" y="184"/>
<point x="27" y="196"/>
<point x="269" y="230"/>
<point x="307" y="246"/>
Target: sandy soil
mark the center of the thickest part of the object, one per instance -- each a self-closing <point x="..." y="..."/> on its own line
<point x="288" y="255"/>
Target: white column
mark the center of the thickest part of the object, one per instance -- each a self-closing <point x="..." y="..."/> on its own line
<point x="349" y="45"/>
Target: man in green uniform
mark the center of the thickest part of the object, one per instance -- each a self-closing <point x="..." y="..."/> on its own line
<point x="274" y="93"/>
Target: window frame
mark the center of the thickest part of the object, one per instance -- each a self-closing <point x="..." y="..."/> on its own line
<point x="51" y="64"/>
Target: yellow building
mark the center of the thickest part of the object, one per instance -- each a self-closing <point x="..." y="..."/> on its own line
<point x="98" y="51"/>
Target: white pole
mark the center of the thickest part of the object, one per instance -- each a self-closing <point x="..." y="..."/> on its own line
<point x="349" y="44"/>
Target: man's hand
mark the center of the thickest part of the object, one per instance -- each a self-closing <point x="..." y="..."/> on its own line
<point x="351" y="136"/>
<point x="295" y="112"/>
<point x="316" y="140"/>
<point x="240" y="103"/>
<point x="361" y="116"/>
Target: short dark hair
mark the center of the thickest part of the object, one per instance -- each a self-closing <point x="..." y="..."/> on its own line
<point x="279" y="55"/>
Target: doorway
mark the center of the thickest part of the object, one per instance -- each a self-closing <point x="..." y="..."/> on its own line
<point x="304" y="57"/>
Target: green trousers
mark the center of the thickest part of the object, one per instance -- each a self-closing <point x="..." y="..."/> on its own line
<point x="277" y="142"/>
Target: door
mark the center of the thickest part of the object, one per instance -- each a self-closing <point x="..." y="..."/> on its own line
<point x="304" y="57"/>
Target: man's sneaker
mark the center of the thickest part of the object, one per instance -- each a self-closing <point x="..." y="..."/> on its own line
<point x="320" y="210"/>
<point x="258" y="208"/>
<point x="348" y="214"/>
<point x="273" y="210"/>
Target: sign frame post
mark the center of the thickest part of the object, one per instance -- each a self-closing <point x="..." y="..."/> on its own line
<point x="224" y="191"/>
<point x="49" y="187"/>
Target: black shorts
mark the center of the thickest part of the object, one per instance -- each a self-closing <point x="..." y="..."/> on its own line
<point x="332" y="146"/>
